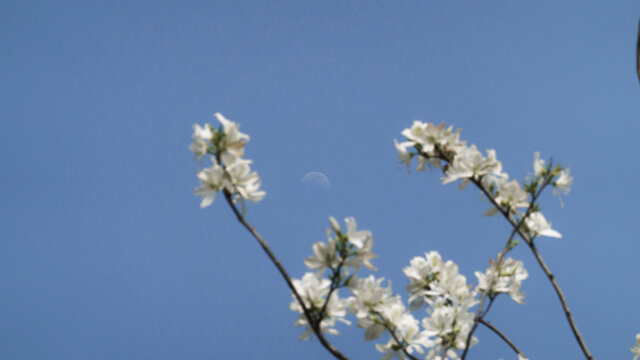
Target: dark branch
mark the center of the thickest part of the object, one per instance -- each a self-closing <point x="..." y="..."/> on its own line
<point x="313" y="323"/>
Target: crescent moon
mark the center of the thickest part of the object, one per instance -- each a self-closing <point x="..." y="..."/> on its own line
<point x="316" y="179"/>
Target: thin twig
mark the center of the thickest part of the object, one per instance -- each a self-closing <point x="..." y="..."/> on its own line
<point x="563" y="300"/>
<point x="505" y="250"/>
<point x="554" y="283"/>
<point x="502" y="336"/>
<point x="334" y="286"/>
<point x="315" y="325"/>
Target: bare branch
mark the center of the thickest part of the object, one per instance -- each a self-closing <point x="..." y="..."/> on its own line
<point x="314" y="323"/>
<point x="502" y="336"/>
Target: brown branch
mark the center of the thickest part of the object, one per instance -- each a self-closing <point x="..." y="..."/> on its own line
<point x="551" y="277"/>
<point x="563" y="301"/>
<point x="505" y="250"/>
<point x="502" y="336"/>
<point x="315" y="325"/>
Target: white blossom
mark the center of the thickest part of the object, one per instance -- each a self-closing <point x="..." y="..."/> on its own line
<point x="211" y="181"/>
<point x="538" y="164"/>
<point x="636" y="350"/>
<point x="370" y="298"/>
<point x="505" y="279"/>
<point x="406" y="329"/>
<point x="563" y="183"/>
<point x="429" y="136"/>
<point x="201" y="138"/>
<point x="512" y="195"/>
<point x="246" y="183"/>
<point x="450" y="326"/>
<point x="313" y="292"/>
<point x="234" y="141"/>
<point x="539" y="225"/>
<point x="363" y="242"/>
<point x="404" y="155"/>
<point x="324" y="257"/>
<point x="430" y="277"/>
<point x="470" y="164"/>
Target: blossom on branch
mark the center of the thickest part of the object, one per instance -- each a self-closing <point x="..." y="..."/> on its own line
<point x="314" y="291"/>
<point x="201" y="138"/>
<point x="511" y="195"/>
<point x="504" y="279"/>
<point x="211" y="180"/>
<point x="430" y="278"/>
<point x="229" y="172"/>
<point x="539" y="226"/>
<point x="470" y="164"/>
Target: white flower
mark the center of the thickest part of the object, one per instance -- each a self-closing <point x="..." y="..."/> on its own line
<point x="636" y="350"/>
<point x="406" y="329"/>
<point x="563" y="183"/>
<point x="404" y="155"/>
<point x="538" y="164"/>
<point x="246" y="183"/>
<point x="201" y="138"/>
<point x="512" y="195"/>
<point x="356" y="237"/>
<point x="417" y="133"/>
<point x="324" y="257"/>
<point x="334" y="225"/>
<point x="539" y="225"/>
<point x="422" y="272"/>
<point x="362" y="255"/>
<point x="507" y="279"/>
<point x="469" y="163"/>
<point x="428" y="136"/>
<point x="450" y="325"/>
<point x="361" y="240"/>
<point x="211" y="180"/>
<point x="369" y="298"/>
<point x="313" y="291"/>
<point x="432" y="280"/>
<point x="234" y="140"/>
<point x="494" y="180"/>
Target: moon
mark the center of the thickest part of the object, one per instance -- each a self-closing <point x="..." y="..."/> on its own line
<point x="316" y="179"/>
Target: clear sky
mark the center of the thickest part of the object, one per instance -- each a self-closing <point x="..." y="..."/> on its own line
<point x="106" y="254"/>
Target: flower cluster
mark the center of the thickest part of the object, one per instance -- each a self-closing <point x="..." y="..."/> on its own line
<point x="378" y="310"/>
<point x="441" y="147"/>
<point x="505" y="278"/>
<point x="447" y="319"/>
<point x="448" y="299"/>
<point x="229" y="172"/>
<point x="314" y="292"/>
<point x="342" y="256"/>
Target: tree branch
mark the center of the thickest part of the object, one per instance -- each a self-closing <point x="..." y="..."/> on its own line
<point x="529" y="241"/>
<point x="315" y="325"/>
<point x="502" y="336"/>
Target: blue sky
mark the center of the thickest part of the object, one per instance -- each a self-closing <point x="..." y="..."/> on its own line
<point x="105" y="253"/>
